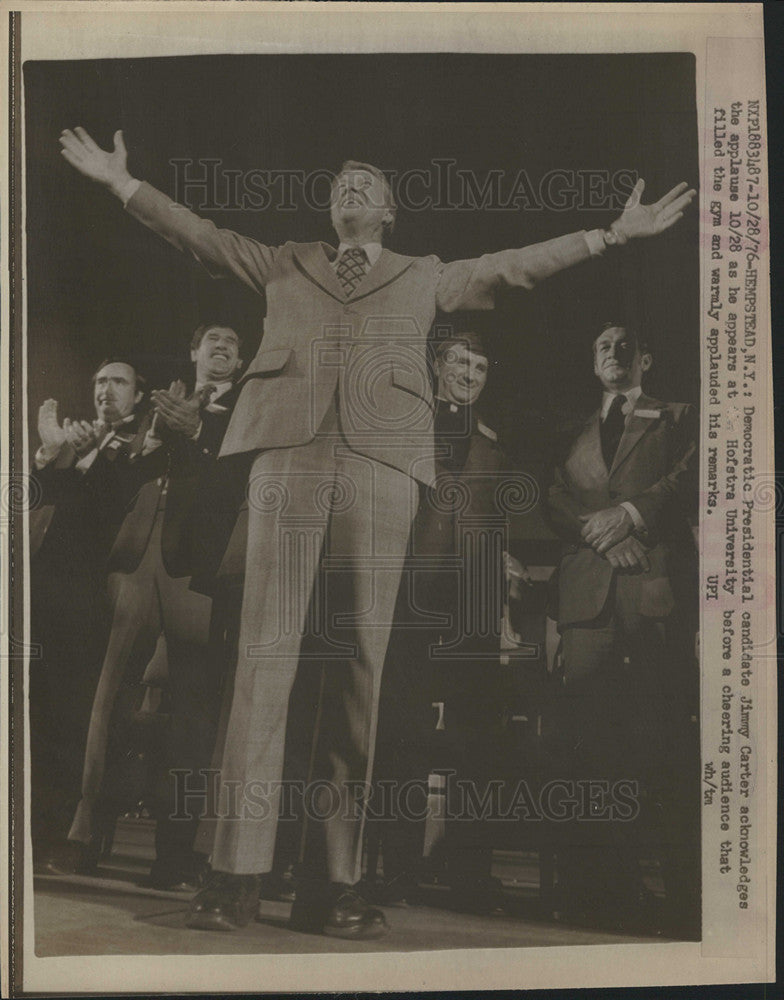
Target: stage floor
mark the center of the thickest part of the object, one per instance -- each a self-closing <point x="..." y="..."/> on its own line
<point x="110" y="914"/>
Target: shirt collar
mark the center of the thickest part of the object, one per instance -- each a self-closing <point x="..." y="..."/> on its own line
<point x="111" y="432"/>
<point x="632" y="395"/>
<point x="220" y="388"/>
<point x="373" y="251"/>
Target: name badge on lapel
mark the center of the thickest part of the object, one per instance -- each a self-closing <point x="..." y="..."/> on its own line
<point x="648" y="414"/>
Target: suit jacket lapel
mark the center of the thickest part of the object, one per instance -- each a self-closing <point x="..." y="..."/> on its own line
<point x="388" y="268"/>
<point x="586" y="462"/>
<point x="314" y="263"/>
<point x="635" y="428"/>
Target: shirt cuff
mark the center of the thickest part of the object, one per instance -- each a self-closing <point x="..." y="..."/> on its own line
<point x="150" y="444"/>
<point x="595" y="240"/>
<point x="43" y="458"/>
<point x="128" y="190"/>
<point x="635" y="515"/>
<point x="84" y="463"/>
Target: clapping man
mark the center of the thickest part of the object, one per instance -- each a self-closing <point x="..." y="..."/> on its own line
<point x="70" y="535"/>
<point x="157" y="481"/>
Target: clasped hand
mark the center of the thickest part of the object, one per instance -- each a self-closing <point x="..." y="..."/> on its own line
<point x="609" y="532"/>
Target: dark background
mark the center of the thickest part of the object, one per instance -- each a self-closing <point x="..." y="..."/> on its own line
<point x="98" y="283"/>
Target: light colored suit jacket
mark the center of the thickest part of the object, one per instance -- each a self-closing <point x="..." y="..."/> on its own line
<point x="368" y="346"/>
<point x="655" y="468"/>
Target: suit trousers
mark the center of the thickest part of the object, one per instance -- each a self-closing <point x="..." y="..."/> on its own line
<point x="624" y="715"/>
<point x="327" y="536"/>
<point x="146" y="603"/>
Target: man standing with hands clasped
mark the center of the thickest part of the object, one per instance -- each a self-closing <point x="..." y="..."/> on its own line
<point x="625" y="503"/>
<point x="338" y="409"/>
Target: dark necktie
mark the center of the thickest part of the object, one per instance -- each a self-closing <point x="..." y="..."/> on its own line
<point x="351" y="268"/>
<point x="612" y="429"/>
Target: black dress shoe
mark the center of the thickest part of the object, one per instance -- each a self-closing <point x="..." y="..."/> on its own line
<point x="227" y="902"/>
<point x="337" y="910"/>
<point x="350" y="916"/>
<point x="71" y="857"/>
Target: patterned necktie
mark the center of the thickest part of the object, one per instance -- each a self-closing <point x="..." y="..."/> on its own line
<point x="612" y="429"/>
<point x="351" y="268"/>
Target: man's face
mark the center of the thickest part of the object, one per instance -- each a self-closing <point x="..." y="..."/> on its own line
<point x="617" y="361"/>
<point x="217" y="358"/>
<point x="115" y="392"/>
<point x="359" y="203"/>
<point x="461" y="374"/>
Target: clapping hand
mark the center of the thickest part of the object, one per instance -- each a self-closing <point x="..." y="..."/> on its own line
<point x="640" y="220"/>
<point x="83" y="436"/>
<point x="107" y="168"/>
<point x="52" y="435"/>
<point x="178" y="413"/>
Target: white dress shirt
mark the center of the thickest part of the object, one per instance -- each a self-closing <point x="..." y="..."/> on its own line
<point x="372" y="252"/>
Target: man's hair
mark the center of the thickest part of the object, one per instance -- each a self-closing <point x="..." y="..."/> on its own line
<point x="121" y="359"/>
<point x="471" y="341"/>
<point x="641" y="343"/>
<point x="475" y="330"/>
<point x="200" y="332"/>
<point x="389" y="197"/>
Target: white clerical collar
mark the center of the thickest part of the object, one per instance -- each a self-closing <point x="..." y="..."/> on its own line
<point x="632" y="395"/>
<point x="373" y="250"/>
<point x="453" y="407"/>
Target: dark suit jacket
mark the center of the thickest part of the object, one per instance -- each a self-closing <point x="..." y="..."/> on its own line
<point x="78" y="513"/>
<point x="371" y="344"/>
<point x="184" y="468"/>
<point x="655" y="468"/>
<point x="445" y="644"/>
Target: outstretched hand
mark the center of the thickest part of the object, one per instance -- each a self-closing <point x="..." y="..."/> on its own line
<point x="640" y="220"/>
<point x="83" y="153"/>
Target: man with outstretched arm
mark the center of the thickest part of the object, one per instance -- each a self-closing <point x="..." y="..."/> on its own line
<point x="338" y="409"/>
